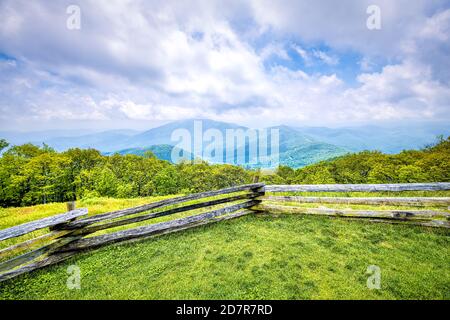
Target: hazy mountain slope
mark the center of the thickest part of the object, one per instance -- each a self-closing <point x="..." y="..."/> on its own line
<point x="388" y="139"/>
<point x="103" y="141"/>
<point x="162" y="134"/>
<point x="304" y="155"/>
<point x="62" y="140"/>
<point x="296" y="149"/>
<point x="18" y="137"/>
<point x="162" y="151"/>
<point x="298" y="146"/>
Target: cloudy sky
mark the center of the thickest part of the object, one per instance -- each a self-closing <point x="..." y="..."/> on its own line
<point x="136" y="64"/>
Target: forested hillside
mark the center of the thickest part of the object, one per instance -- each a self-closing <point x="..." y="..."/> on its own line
<point x="431" y="164"/>
<point x="31" y="175"/>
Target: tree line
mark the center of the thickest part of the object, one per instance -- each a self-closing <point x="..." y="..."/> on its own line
<point x="31" y="174"/>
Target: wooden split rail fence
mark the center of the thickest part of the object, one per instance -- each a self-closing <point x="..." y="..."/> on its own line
<point x="276" y="204"/>
<point x="73" y="231"/>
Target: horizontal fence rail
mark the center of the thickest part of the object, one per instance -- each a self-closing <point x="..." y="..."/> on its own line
<point x="152" y="229"/>
<point x="163" y="203"/>
<point x="74" y="231"/>
<point x="69" y="231"/>
<point x="438" y="186"/>
<point x="41" y="224"/>
<point x="94" y="228"/>
<point x="23" y="246"/>
<point x="390" y="214"/>
<point x="275" y="204"/>
<point x="406" y="201"/>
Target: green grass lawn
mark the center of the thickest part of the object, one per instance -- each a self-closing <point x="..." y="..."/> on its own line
<point x="253" y="257"/>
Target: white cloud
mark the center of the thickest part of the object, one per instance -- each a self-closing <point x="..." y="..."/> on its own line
<point x="323" y="56"/>
<point x="274" y="49"/>
<point x="366" y="64"/>
<point x="174" y="60"/>
<point x="343" y="24"/>
<point x="303" y="54"/>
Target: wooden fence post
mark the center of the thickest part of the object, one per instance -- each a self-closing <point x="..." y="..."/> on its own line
<point x="71" y="205"/>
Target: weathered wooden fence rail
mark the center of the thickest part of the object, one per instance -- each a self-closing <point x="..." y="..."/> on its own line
<point x="432" y="218"/>
<point x="41" y="224"/>
<point x="72" y="232"/>
<point x="392" y="201"/>
<point x="438" y="186"/>
<point x="69" y="231"/>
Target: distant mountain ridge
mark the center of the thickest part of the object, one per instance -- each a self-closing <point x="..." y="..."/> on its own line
<point x="62" y="140"/>
<point x="162" y="134"/>
<point x="295" y="149"/>
<point x="391" y="140"/>
<point x="299" y="146"/>
<point x="161" y="151"/>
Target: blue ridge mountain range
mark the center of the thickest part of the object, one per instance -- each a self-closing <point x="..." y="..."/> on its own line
<point x="299" y="146"/>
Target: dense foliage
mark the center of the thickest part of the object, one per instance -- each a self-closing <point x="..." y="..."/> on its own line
<point x="432" y="164"/>
<point x="30" y="174"/>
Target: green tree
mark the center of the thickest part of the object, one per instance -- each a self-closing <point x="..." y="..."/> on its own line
<point x="286" y="173"/>
<point x="125" y="190"/>
<point x="166" y="181"/>
<point x="410" y="174"/>
<point x="44" y="178"/>
<point x="105" y="182"/>
<point x="27" y="151"/>
<point x="319" y="175"/>
<point x="79" y="160"/>
<point x="3" y="144"/>
<point x="383" y="173"/>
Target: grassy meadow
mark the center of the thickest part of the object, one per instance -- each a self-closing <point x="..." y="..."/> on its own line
<point x="253" y="257"/>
